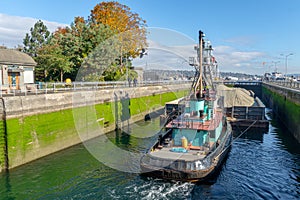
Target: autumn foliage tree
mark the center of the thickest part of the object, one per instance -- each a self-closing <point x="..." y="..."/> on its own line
<point x="112" y="58"/>
<point x="119" y="18"/>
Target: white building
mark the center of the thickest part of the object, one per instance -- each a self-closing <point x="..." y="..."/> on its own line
<point x="16" y="70"/>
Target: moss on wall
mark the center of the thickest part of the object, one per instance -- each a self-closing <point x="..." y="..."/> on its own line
<point x="29" y="136"/>
<point x="138" y="105"/>
<point x="2" y="143"/>
<point x="38" y="131"/>
<point x="286" y="110"/>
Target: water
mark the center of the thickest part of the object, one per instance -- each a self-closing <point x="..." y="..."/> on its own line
<point x="259" y="166"/>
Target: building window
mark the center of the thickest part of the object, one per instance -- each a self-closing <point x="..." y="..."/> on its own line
<point x="13" y="80"/>
<point x="12" y="67"/>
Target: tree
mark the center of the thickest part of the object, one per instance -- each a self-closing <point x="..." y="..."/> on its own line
<point x="53" y="60"/>
<point x="79" y="40"/>
<point x="130" y="26"/>
<point x="38" y="36"/>
<point x="102" y="61"/>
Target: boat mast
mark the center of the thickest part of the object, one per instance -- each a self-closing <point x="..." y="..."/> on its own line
<point x="200" y="49"/>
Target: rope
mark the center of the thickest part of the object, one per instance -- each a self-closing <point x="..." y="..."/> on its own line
<point x="244" y="131"/>
<point x="236" y="139"/>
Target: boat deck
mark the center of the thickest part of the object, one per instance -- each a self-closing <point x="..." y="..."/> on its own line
<point x="195" y="123"/>
<point x="166" y="153"/>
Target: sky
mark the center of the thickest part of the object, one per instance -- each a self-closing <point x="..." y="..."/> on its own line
<point x="252" y="37"/>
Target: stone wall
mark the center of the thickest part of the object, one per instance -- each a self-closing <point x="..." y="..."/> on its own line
<point x="19" y="106"/>
<point x="285" y="103"/>
<point x="38" y="125"/>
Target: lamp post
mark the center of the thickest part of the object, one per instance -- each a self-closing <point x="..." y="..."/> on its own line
<point x="286" y="63"/>
<point x="127" y="65"/>
<point x="275" y="65"/>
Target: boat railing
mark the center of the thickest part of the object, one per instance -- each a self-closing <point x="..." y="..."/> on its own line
<point x="186" y="122"/>
<point x="180" y="165"/>
<point x="211" y="154"/>
<point x="184" y="165"/>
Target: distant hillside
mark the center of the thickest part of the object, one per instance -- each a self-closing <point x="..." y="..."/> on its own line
<point x="295" y="75"/>
<point x="238" y="75"/>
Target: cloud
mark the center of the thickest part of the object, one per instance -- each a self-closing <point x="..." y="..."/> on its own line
<point x="166" y="57"/>
<point x="168" y="49"/>
<point x="234" y="60"/>
<point x="14" y="28"/>
<point x="177" y="57"/>
<point x="244" y="60"/>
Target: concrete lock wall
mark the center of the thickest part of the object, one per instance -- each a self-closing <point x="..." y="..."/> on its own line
<point x="286" y="105"/>
<point x="38" y="125"/>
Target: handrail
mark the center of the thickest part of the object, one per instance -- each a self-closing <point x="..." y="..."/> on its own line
<point x="288" y="84"/>
<point x="51" y="87"/>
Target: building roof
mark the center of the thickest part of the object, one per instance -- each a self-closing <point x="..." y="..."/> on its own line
<point x="14" y="57"/>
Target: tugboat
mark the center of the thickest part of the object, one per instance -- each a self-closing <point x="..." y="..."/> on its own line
<point x="192" y="145"/>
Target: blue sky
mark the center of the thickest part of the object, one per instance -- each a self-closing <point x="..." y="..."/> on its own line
<point x="244" y="33"/>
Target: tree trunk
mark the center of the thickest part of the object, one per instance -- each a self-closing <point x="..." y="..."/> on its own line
<point x="61" y="75"/>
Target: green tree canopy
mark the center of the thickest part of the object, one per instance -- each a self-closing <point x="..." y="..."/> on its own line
<point x="80" y="40"/>
<point x="55" y="63"/>
<point x="38" y="36"/>
<point x="33" y="41"/>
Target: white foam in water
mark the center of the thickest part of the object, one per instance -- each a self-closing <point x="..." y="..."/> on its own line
<point x="186" y="188"/>
<point x="158" y="189"/>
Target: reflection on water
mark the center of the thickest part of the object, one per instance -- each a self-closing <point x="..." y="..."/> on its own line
<point x="5" y="182"/>
<point x="251" y="134"/>
<point x="259" y="166"/>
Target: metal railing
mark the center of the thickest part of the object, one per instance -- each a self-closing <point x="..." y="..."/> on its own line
<point x="288" y="84"/>
<point x="239" y="82"/>
<point x="55" y="87"/>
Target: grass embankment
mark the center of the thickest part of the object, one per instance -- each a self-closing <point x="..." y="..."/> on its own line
<point x="41" y="130"/>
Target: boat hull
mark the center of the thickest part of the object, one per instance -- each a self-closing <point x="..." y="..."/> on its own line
<point x="188" y="175"/>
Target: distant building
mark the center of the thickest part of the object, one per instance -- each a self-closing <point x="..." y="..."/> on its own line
<point x="151" y="76"/>
<point x="277" y="76"/>
<point x="16" y="70"/>
<point x="231" y="78"/>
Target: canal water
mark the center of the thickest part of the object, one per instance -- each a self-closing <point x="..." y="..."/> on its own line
<point x="260" y="165"/>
